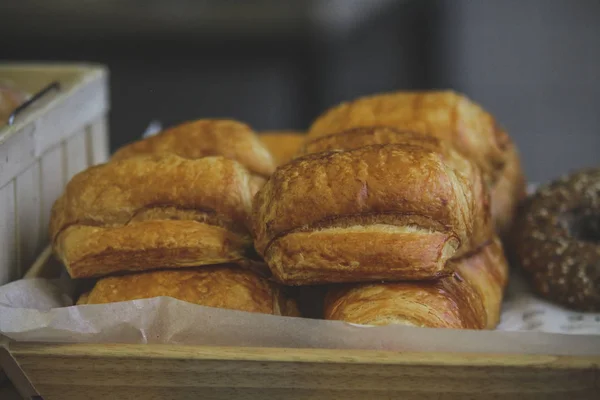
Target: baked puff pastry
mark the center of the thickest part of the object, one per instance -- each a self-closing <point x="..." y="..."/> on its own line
<point x="283" y="145"/>
<point x="153" y="211"/>
<point x="392" y="212"/>
<point x="469" y="299"/>
<point x="506" y="191"/>
<point x="207" y="137"/>
<point x="444" y="114"/>
<point x="214" y="286"/>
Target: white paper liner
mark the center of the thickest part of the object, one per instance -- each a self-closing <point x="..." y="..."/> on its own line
<point x="42" y="310"/>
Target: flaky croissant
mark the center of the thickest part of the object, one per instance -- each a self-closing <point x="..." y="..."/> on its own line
<point x="448" y="116"/>
<point x="394" y="212"/>
<point x="470" y="298"/>
<point x="207" y="137"/>
<point x="154" y="211"/>
<point x="444" y="114"/>
<point x="506" y="191"/>
<point x="213" y="286"/>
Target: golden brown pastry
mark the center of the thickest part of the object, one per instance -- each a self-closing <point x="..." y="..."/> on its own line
<point x="469" y="299"/>
<point x="487" y="271"/>
<point x="282" y="145"/>
<point x="214" y="286"/>
<point x="151" y="212"/>
<point x="355" y="138"/>
<point x="394" y="212"/>
<point x="444" y="114"/>
<point x="207" y="137"/>
<point x="506" y="192"/>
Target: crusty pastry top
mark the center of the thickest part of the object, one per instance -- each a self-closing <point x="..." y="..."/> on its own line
<point x="444" y="114"/>
<point x="391" y="184"/>
<point x="215" y="190"/>
<point x="356" y="138"/>
<point x="218" y="286"/>
<point x="207" y="137"/>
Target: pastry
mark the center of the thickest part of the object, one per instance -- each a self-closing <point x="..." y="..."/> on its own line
<point x="557" y="240"/>
<point x="153" y="211"/>
<point x="506" y="191"/>
<point x="444" y="114"/>
<point x="214" y="286"/>
<point x="282" y="145"/>
<point x="487" y="271"/>
<point x="469" y="299"/>
<point x="207" y="137"/>
<point x="394" y="212"/>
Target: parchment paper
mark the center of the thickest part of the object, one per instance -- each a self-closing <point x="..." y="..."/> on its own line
<point x="42" y="310"/>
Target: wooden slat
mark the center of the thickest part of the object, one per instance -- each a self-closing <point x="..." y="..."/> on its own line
<point x="346" y="356"/>
<point x="17" y="153"/>
<point x="163" y="371"/>
<point x="52" y="183"/>
<point x="29" y="217"/>
<point x="76" y="154"/>
<point x="8" y="234"/>
<point x="98" y="146"/>
<point x="59" y="392"/>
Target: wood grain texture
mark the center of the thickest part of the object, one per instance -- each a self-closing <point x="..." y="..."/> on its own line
<point x="182" y="372"/>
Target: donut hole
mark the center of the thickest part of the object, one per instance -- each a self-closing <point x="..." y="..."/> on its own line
<point x="583" y="226"/>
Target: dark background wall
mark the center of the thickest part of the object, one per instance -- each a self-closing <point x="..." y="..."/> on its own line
<point x="277" y="64"/>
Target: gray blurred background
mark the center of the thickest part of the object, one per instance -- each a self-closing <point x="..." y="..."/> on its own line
<point x="277" y="64"/>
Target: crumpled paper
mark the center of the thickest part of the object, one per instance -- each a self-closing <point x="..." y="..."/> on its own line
<point x="42" y="310"/>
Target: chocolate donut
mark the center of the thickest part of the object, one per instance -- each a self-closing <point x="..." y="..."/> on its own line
<point x="557" y="240"/>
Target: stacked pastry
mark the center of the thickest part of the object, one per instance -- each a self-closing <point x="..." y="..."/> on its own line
<point x="388" y="211"/>
<point x="396" y="201"/>
<point x="170" y="216"/>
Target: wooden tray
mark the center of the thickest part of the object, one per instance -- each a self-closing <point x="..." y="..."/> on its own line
<point x="101" y="371"/>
